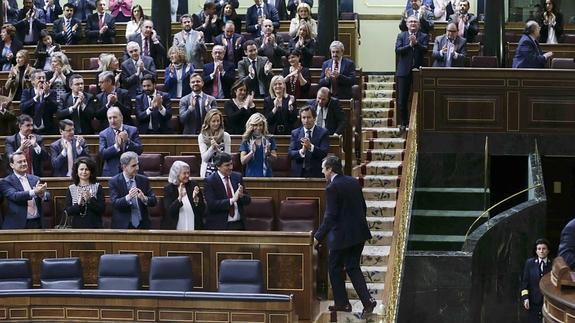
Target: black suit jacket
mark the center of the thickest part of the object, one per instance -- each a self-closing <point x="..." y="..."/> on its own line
<point x="172" y="206"/>
<point x="320" y="140"/>
<point x="22" y="29"/>
<point x="237" y="118"/>
<point x="13" y="143"/>
<point x="273" y="53"/>
<point x="14" y="48"/>
<point x="283" y="121"/>
<point x="93" y="29"/>
<point x="251" y="18"/>
<point x="59" y="162"/>
<point x="342" y="87"/>
<point x="281" y="7"/>
<point x="344" y="220"/>
<point x="121" y="216"/>
<point x="218" y="202"/>
<point x="82" y="118"/>
<point x="530" y="280"/>
<point x="307" y="51"/>
<point x="335" y="121"/>
<point x="409" y="57"/>
<point x="131" y="80"/>
<point x="226" y="80"/>
<point x="157" y="51"/>
<point x="47" y="108"/>
<point x="124" y="103"/>
<point x="60" y="35"/>
<point x="92" y="219"/>
<point x="567" y="244"/>
<point x="41" y="54"/>
<point x="54" y="12"/>
<point x="472" y="27"/>
<point x="160" y="123"/>
<point x="237" y="52"/>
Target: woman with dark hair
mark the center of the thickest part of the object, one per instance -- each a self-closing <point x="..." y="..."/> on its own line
<point x="258" y="148"/>
<point x="9" y="45"/>
<point x="229" y="13"/>
<point x="304" y="43"/>
<point x="212" y="140"/>
<point x="239" y="108"/>
<point x="279" y="108"/>
<point x="183" y="200"/>
<point x="551" y="23"/>
<point x="135" y="24"/>
<point x="533" y="270"/>
<point x="46" y="47"/>
<point x="120" y="10"/>
<point x="20" y="76"/>
<point x="296" y="76"/>
<point x="209" y="22"/>
<point x="85" y="198"/>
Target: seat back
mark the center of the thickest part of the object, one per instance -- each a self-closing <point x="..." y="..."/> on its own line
<point x="94" y="63"/>
<point x="317" y="61"/>
<point x="156" y="214"/>
<point x="191" y="160"/>
<point x="281" y="166"/>
<point x="107" y="216"/>
<point x="119" y="272"/>
<point x="171" y="274"/>
<point x="259" y="214"/>
<point x="298" y="215"/>
<point x="563" y="63"/>
<point x="61" y="273"/>
<point x="151" y="164"/>
<point x="484" y="61"/>
<point x="15" y="274"/>
<point x="240" y="276"/>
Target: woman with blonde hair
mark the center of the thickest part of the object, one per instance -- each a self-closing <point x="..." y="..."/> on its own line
<point x="19" y="77"/>
<point x="177" y="74"/>
<point x="279" y="108"/>
<point x="303" y="15"/>
<point x="59" y="76"/>
<point x="212" y="140"/>
<point x="109" y="62"/>
<point x="304" y="43"/>
<point x="258" y="148"/>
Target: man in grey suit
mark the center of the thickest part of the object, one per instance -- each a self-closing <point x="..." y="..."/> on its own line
<point x="449" y="50"/>
<point x="194" y="106"/>
<point x="67" y="149"/>
<point x="467" y="23"/>
<point x="191" y="41"/>
<point x="255" y="70"/>
<point x="134" y="69"/>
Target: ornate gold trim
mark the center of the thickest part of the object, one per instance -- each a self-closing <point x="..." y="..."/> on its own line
<point x="61" y="309"/>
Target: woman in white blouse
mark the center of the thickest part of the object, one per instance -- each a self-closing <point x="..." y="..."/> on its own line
<point x="212" y="140"/>
<point x="443" y="8"/>
<point x="303" y="13"/>
<point x="134" y="25"/>
<point x="183" y="200"/>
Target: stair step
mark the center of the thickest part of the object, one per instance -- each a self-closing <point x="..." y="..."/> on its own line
<point x="375" y="255"/>
<point x="379" y="181"/>
<point x="433" y="242"/>
<point x="380" y="167"/>
<point x="380" y="132"/>
<point x="378" y="193"/>
<point x="385" y="143"/>
<point x="375" y="290"/>
<point x="380" y="238"/>
<point x="443" y="222"/>
<point x="378" y="86"/>
<point x="383" y="154"/>
<point x="377" y="122"/>
<point x="378" y="93"/>
<point x="380" y="223"/>
<point x="446" y="213"/>
<point x="451" y="198"/>
<point x="374" y="274"/>
<point x="354" y="316"/>
<point x="377" y="113"/>
<point x="380" y="208"/>
<point x="376" y="103"/>
<point x="380" y="78"/>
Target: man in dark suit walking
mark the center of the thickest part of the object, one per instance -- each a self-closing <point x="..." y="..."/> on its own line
<point x="153" y="109"/>
<point x="410" y="48"/>
<point x="131" y="195"/>
<point x="338" y="73"/>
<point x="308" y="146"/>
<point x="225" y="196"/>
<point x="528" y="53"/>
<point x="345" y="226"/>
<point x="100" y="26"/>
<point x="534" y="269"/>
<point x="24" y="194"/>
<point x="328" y="112"/>
<point x="67" y="149"/>
<point x="449" y="50"/>
<point x="27" y="143"/>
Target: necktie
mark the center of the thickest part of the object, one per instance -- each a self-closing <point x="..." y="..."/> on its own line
<point x="101" y="21"/>
<point x="417" y="14"/>
<point x="154" y="117"/>
<point x="334" y="80"/>
<point x="542" y="264"/>
<point x="319" y="119"/>
<point x="255" y="69"/>
<point x="146" y="47"/>
<point x="135" y="212"/>
<point x="448" y="54"/>
<point x="461" y="27"/>
<point x="215" y="85"/>
<point x="70" y="156"/>
<point x="260" y="11"/>
<point x="29" y="159"/>
<point x="307" y="158"/>
<point x="31" y="207"/>
<point x="230" y="195"/>
<point x="38" y="112"/>
<point x="68" y="32"/>
<point x="198" y="109"/>
<point x="230" y="49"/>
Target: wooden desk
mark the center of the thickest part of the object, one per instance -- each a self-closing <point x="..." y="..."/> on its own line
<point x="559" y="51"/>
<point x="287" y="260"/>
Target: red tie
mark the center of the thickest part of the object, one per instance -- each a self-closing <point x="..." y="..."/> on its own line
<point x="230" y="195"/>
<point x="215" y="87"/>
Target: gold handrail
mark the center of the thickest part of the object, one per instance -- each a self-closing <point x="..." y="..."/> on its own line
<point x="499" y="203"/>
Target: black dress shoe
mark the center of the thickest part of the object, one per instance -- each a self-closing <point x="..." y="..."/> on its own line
<point x="340" y="308"/>
<point x="368" y="309"/>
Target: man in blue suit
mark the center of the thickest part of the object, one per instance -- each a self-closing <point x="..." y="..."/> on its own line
<point x="308" y="146"/>
<point x="10" y="9"/>
<point x="528" y="53"/>
<point x="256" y="14"/>
<point x="534" y="269"/>
<point x="83" y="8"/>
<point x="67" y="30"/>
<point x="410" y="47"/>
<point x="232" y="43"/>
<point x="345" y="226"/>
<point x="225" y="196"/>
<point x="67" y="149"/>
<point x="116" y="140"/>
<point x="567" y="244"/>
<point x="153" y="109"/>
<point x="27" y="143"/>
<point x="24" y="194"/>
<point x="338" y="73"/>
<point x="219" y="75"/>
<point x="134" y="68"/>
<point x="423" y="13"/>
<point x="100" y="26"/>
<point x="131" y="195"/>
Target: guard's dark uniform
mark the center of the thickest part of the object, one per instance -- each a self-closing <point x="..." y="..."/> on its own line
<point x="532" y="273"/>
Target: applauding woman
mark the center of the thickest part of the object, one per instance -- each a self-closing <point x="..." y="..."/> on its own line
<point x="303" y="16"/>
<point x="296" y="76"/>
<point x="10" y="45"/>
<point x="177" y="74"/>
<point x="44" y="50"/>
<point x="304" y="43"/>
<point x="212" y="140"/>
<point x="239" y="108"/>
<point x="551" y="23"/>
<point x="19" y="77"/>
<point x="85" y="198"/>
<point x="183" y="200"/>
<point x="258" y="148"/>
<point x="279" y="108"/>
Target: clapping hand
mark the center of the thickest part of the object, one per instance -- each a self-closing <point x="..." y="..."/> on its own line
<point x="40" y="189"/>
<point x="239" y="193"/>
<point x="181" y="191"/>
<point x="268" y="67"/>
<point x="215" y="144"/>
<point x="196" y="194"/>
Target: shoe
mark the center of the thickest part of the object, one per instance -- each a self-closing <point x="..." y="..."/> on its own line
<point x="340" y="308"/>
<point x="368" y="309"/>
<point x="401" y="130"/>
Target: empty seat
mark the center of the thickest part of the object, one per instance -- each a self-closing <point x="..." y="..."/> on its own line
<point x="61" y="273"/>
<point x="119" y="272"/>
<point x="563" y="63"/>
<point x="484" y="61"/>
<point x="171" y="274"/>
<point x="15" y="274"/>
<point x="240" y="276"/>
<point x="156" y="214"/>
<point x="281" y="166"/>
<point x="259" y="214"/>
<point x="191" y="160"/>
<point x="298" y="215"/>
<point x="94" y="63"/>
<point x="317" y="61"/>
<point x="151" y="164"/>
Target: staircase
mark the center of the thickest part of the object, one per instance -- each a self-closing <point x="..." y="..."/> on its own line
<point x="379" y="173"/>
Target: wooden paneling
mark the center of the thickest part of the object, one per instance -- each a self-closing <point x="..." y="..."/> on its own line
<point x="559" y="51"/>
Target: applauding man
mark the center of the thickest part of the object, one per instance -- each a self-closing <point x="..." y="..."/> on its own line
<point x="115" y="140"/>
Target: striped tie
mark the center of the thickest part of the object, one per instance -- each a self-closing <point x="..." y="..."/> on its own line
<point x="69" y="32"/>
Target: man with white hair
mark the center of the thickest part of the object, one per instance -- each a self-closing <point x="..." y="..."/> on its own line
<point x="116" y="140"/>
<point x="338" y="73"/>
<point x="219" y="75"/>
<point x="134" y="68"/>
<point x="271" y="45"/>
